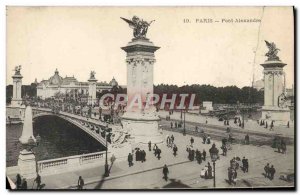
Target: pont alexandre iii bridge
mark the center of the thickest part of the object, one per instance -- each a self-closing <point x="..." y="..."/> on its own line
<point x="94" y="128"/>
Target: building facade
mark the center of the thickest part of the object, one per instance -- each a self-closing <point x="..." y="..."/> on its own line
<point x="68" y="85"/>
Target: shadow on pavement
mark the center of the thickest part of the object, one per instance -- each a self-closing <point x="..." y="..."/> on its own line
<point x="99" y="185"/>
<point x="175" y="184"/>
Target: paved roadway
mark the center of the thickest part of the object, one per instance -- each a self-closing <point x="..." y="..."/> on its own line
<point x="188" y="174"/>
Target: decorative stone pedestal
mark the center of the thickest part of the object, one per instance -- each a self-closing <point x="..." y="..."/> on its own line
<point x="275" y="107"/>
<point x="280" y="115"/>
<point x="141" y="123"/>
<point x="27" y="164"/>
<point x="143" y="127"/>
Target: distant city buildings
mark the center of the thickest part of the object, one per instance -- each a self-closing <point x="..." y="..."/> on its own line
<point x="207" y="106"/>
<point x="57" y="84"/>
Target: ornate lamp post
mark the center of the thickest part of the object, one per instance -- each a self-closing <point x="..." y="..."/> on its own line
<point x="214" y="155"/>
<point x="106" y="173"/>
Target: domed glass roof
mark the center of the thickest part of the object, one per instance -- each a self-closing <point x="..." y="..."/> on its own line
<point x="56" y="79"/>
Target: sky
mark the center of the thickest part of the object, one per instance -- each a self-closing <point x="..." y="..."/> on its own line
<point x="77" y="40"/>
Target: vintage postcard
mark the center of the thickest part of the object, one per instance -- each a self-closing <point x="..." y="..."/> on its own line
<point x="150" y="98"/>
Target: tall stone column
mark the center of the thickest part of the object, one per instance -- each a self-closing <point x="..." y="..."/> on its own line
<point x="140" y="121"/>
<point x="92" y="98"/>
<point x="17" y="88"/>
<point x="275" y="108"/>
<point x="140" y="60"/>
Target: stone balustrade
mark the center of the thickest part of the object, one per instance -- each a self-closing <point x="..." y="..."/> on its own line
<point x="70" y="163"/>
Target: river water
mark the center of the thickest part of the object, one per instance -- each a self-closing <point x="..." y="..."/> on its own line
<point x="59" y="138"/>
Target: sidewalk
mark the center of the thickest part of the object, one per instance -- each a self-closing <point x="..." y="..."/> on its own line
<point x="188" y="174"/>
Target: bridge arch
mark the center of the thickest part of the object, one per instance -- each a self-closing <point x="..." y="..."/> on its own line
<point x="81" y="122"/>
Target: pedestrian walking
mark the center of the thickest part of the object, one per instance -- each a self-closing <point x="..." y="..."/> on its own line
<point x="204" y="139"/>
<point x="208" y="139"/>
<point x="247" y="139"/>
<point x="80" y="183"/>
<point x="130" y="159"/>
<point x="234" y="176"/>
<point x="149" y="145"/>
<point x="171" y="125"/>
<point x="175" y="149"/>
<point x="247" y="165"/>
<point x="38" y="181"/>
<point x="230" y="138"/>
<point x="158" y="153"/>
<point x="209" y="171"/>
<point x="288" y="124"/>
<point x="204" y="154"/>
<point x="244" y="164"/>
<point x="155" y="149"/>
<point x="143" y="156"/>
<point x="228" y="130"/>
<point x="267" y="170"/>
<point x="24" y="184"/>
<point x="283" y="147"/>
<point x="172" y="138"/>
<point x="19" y="181"/>
<point x="229" y="173"/>
<point x="192" y="141"/>
<point x="165" y="172"/>
<point x="224" y="149"/>
<point x="192" y="155"/>
<point x="272" y="124"/>
<point x="272" y="172"/>
<point x="137" y="155"/>
<point x="168" y="141"/>
<point x="198" y="156"/>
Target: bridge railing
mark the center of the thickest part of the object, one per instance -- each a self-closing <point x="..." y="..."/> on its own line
<point x="74" y="116"/>
<point x="70" y="163"/>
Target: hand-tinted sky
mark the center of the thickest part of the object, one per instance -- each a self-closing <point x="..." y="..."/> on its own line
<point x="76" y="40"/>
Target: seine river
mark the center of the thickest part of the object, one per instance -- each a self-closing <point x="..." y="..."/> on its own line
<point x="58" y="139"/>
